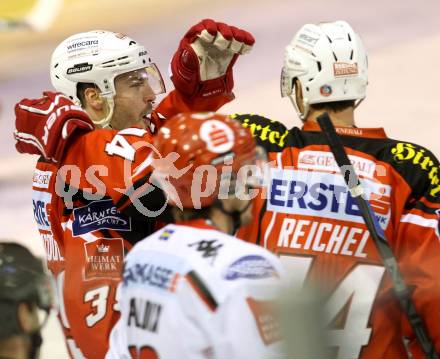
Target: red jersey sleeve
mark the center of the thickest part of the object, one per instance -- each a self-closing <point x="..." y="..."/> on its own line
<point x="417" y="245"/>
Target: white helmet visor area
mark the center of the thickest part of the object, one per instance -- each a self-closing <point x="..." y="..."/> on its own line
<point x="150" y="74"/>
<point x="155" y="79"/>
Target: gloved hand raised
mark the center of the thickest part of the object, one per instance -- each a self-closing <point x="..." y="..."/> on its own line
<point x="202" y="65"/>
<point x="44" y="126"/>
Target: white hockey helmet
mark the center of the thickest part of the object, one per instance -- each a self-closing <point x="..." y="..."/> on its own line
<point x="330" y="62"/>
<point x="98" y="57"/>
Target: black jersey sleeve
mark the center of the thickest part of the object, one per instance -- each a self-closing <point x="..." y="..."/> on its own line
<point x="271" y="135"/>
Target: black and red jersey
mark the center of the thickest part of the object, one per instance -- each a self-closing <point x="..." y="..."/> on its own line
<point x="308" y="217"/>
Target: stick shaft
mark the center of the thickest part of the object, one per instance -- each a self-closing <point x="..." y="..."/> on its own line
<point x="389" y="260"/>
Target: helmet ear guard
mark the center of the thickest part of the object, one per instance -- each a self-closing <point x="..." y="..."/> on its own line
<point x="288" y="89"/>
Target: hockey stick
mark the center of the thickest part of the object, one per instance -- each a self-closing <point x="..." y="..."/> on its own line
<point x="389" y="260"/>
<point x="38" y="19"/>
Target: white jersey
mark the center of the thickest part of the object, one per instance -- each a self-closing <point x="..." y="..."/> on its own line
<point x="190" y="291"/>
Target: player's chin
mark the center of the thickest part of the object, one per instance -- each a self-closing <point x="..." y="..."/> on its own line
<point x="142" y="122"/>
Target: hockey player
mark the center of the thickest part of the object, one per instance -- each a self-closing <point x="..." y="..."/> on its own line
<point x="192" y="290"/>
<point x="312" y="222"/>
<point x="91" y="190"/>
<point x="24" y="292"/>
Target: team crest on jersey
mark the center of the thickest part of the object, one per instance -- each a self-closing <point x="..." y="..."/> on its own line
<point x="104" y="259"/>
<point x="99" y="215"/>
<point x="250" y="267"/>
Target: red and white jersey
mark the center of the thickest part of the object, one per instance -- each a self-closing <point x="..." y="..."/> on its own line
<point x="88" y="216"/>
<point x="309" y="219"/>
<point x="190" y="291"/>
<point x="86" y="233"/>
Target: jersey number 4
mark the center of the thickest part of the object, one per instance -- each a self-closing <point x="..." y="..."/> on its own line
<point x="356" y="291"/>
<point x="120" y="146"/>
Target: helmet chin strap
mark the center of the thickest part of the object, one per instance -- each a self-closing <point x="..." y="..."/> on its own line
<point x="234" y="215"/>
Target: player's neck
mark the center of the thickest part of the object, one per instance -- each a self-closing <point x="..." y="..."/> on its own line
<point x="220" y="220"/>
<point x="215" y="218"/>
<point x="343" y="118"/>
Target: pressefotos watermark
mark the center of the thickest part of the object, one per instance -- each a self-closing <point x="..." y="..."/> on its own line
<point x="267" y="180"/>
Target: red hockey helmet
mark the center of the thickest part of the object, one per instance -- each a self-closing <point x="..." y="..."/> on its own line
<point x="198" y="153"/>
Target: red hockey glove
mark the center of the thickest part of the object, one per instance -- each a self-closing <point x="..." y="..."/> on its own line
<point x="44" y="126"/>
<point x="202" y="65"/>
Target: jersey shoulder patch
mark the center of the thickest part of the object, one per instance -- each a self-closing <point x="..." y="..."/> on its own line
<point x="270" y="134"/>
<point x="418" y="166"/>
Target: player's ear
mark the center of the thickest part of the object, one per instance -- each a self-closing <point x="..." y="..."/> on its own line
<point x="93" y="99"/>
<point x="27" y="317"/>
